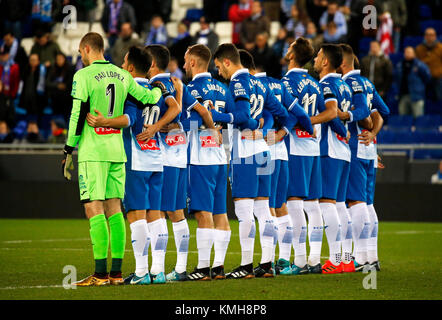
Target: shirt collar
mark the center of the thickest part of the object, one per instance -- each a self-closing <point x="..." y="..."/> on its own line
<point x="297" y="70"/>
<point x="237" y="73"/>
<point x="160" y="75"/>
<point x="100" y="62"/>
<point x="330" y="75"/>
<point x="350" y="73"/>
<point x="144" y="80"/>
<point x="202" y="75"/>
<point x="260" y="74"/>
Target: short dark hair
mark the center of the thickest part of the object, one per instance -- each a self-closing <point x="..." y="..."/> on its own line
<point x="227" y="51"/>
<point x="160" y="54"/>
<point x="356" y="63"/>
<point x="303" y="51"/>
<point x="347" y="52"/>
<point x="139" y="58"/>
<point x="246" y="59"/>
<point x="202" y="52"/>
<point x="333" y="53"/>
<point x="94" y="40"/>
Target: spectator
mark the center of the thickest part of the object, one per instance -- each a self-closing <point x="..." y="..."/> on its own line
<point x="430" y="52"/>
<point x="413" y="75"/>
<point x="378" y="69"/>
<point x="16" y="51"/>
<point x="6" y="135"/>
<point x="180" y="44"/>
<point x="333" y="14"/>
<point x="157" y="33"/>
<point x="398" y="12"/>
<point x="237" y="14"/>
<point x="278" y="46"/>
<point x="312" y="34"/>
<point x="331" y="34"/>
<point x="115" y="13"/>
<point x="437" y="177"/>
<point x="356" y="17"/>
<point x="286" y="10"/>
<point x="9" y="82"/>
<point x="206" y="36"/>
<point x="58" y="131"/>
<point x="59" y="86"/>
<point x="126" y="39"/>
<point x="272" y="9"/>
<point x="297" y="22"/>
<point x="254" y="25"/>
<point x="45" y="48"/>
<point x="264" y="56"/>
<point x="14" y="14"/>
<point x="41" y="14"/>
<point x="32" y="97"/>
<point x="33" y="134"/>
<point x="173" y="68"/>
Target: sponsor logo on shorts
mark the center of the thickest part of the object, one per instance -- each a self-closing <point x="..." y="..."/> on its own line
<point x="176" y="139"/>
<point x="302" y="134"/>
<point x="149" y="145"/>
<point x="208" y="142"/>
<point x="104" y="131"/>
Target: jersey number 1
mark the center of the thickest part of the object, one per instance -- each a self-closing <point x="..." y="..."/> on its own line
<point x="110" y="90"/>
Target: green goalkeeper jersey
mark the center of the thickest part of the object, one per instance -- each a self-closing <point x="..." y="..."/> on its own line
<point x="105" y="87"/>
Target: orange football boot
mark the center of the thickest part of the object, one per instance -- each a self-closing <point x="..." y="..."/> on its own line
<point x="348" y="267"/>
<point x="330" y="268"/>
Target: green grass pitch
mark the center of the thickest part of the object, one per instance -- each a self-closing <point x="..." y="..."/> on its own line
<point x="34" y="252"/>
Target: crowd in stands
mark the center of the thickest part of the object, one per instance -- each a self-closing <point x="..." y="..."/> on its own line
<point x="35" y="86"/>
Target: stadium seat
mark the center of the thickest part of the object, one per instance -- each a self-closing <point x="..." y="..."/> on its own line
<point x="427" y="154"/>
<point x="386" y="137"/>
<point x="430" y="137"/>
<point x="395" y="58"/>
<point x="397" y="123"/>
<point x="274" y="29"/>
<point x="432" y="107"/>
<point x="81" y="29"/>
<point x="412" y="41"/>
<point x="57" y="30"/>
<point x="194" y="28"/>
<point x="65" y="45"/>
<point x="436" y="24"/>
<point x="224" y="30"/>
<point x="193" y="15"/>
<point x="364" y="45"/>
<point x="425" y="11"/>
<point x="27" y="44"/>
<point x="428" y="122"/>
<point x="98" y="28"/>
<point x="172" y="29"/>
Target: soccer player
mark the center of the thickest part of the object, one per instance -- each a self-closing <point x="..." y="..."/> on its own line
<point x="101" y="173"/>
<point x="249" y="170"/>
<point x="279" y="158"/>
<point x="174" y="148"/>
<point x="335" y="152"/>
<point x="144" y="168"/>
<point x="361" y="160"/>
<point x="207" y="168"/>
<point x="379" y="111"/>
<point x="304" y="161"/>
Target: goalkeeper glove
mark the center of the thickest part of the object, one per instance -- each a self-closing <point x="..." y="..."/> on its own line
<point x="158" y="84"/>
<point x="67" y="165"/>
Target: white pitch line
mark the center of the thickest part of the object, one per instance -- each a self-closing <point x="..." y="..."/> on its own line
<point x="46" y="240"/>
<point x="31" y="287"/>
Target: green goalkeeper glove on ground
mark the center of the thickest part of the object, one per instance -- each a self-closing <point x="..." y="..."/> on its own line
<point x="67" y="165"/>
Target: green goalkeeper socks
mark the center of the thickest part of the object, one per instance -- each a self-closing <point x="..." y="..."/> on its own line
<point x="118" y="240"/>
<point x="100" y="241"/>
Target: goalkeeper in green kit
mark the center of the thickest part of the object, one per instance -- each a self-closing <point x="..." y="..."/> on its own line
<point x="101" y="87"/>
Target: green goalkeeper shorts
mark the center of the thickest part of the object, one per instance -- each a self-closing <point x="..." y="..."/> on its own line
<point x="101" y="180"/>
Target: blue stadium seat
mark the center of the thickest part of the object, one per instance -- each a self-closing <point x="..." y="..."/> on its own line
<point x="432" y="107"/>
<point x="364" y="45"/>
<point x="396" y="58"/>
<point x="386" y="137"/>
<point x="425" y="11"/>
<point x="193" y="15"/>
<point x="427" y="154"/>
<point x="428" y="122"/>
<point x="412" y="41"/>
<point x="430" y="137"/>
<point x="436" y="24"/>
<point x="397" y="123"/>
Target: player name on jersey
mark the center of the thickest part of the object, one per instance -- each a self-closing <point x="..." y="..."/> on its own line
<point x="109" y="74"/>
